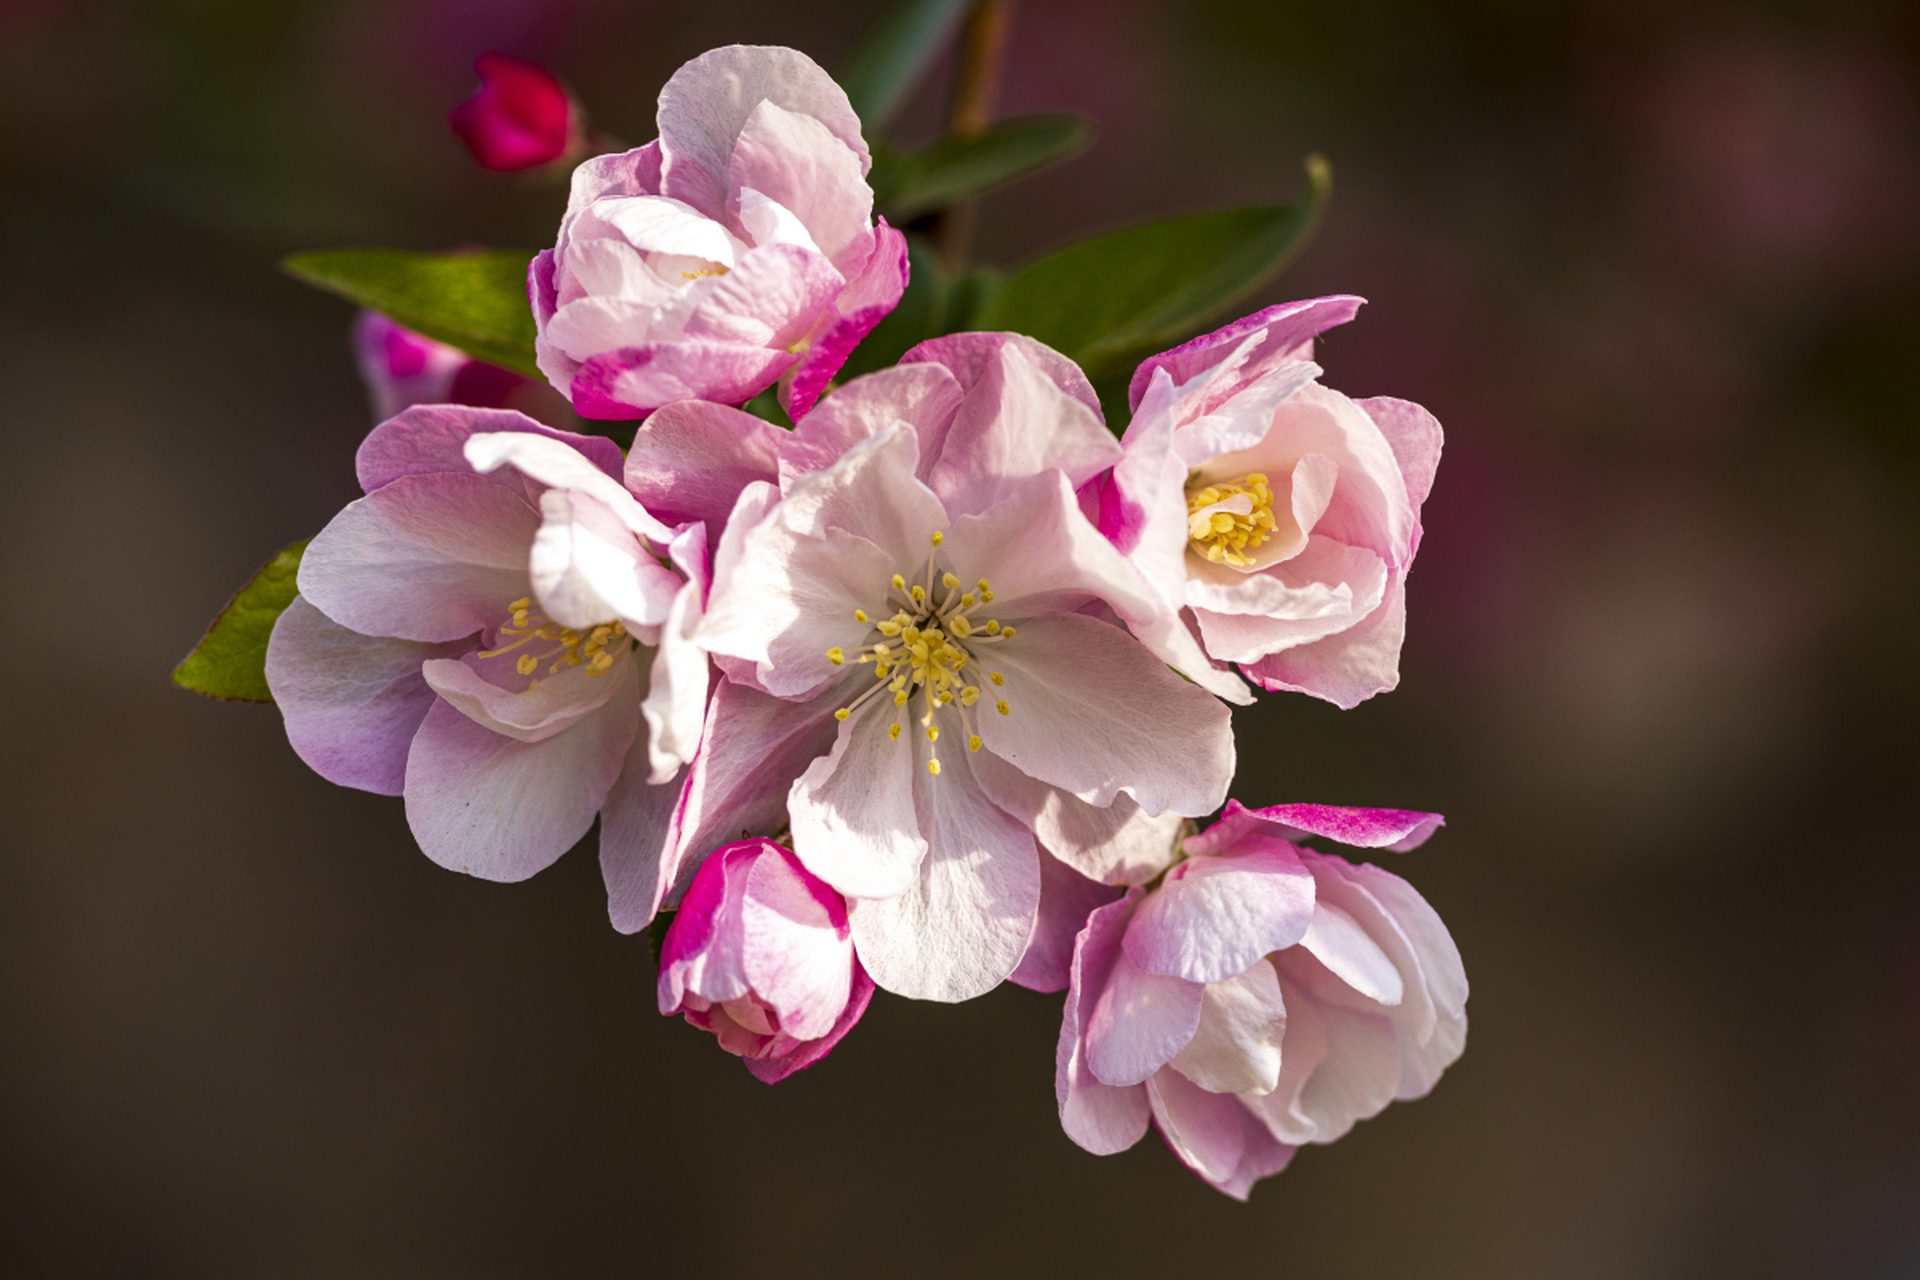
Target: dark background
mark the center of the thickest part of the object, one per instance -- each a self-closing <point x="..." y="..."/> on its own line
<point x="1654" y="266"/>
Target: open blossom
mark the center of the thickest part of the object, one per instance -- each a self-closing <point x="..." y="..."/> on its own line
<point x="928" y="654"/>
<point x="402" y="368"/>
<point x="1262" y="996"/>
<point x="520" y="116"/>
<point x="491" y="632"/>
<point x="737" y="250"/>
<point x="1282" y="514"/>
<point x="760" y="954"/>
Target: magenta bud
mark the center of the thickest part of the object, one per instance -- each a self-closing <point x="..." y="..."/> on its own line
<point x="519" y="118"/>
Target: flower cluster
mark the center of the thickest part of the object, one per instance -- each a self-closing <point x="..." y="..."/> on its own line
<point x="955" y="660"/>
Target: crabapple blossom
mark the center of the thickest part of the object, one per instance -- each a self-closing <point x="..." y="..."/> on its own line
<point x="1284" y="515"/>
<point x="1262" y="996"/>
<point x="492" y="633"/>
<point x="928" y="658"/>
<point x="760" y="954"/>
<point x="736" y="250"/>
<point x="519" y="118"/>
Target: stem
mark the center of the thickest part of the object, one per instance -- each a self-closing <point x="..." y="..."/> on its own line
<point x="977" y="84"/>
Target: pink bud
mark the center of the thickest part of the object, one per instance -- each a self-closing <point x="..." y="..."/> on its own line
<point x="761" y="955"/>
<point x="519" y="118"/>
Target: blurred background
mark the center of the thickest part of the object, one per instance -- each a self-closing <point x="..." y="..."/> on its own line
<point x="1656" y="267"/>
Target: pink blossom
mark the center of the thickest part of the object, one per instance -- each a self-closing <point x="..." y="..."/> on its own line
<point x="1282" y="514"/>
<point x="491" y="633"/>
<point x="737" y="250"/>
<point x="1262" y="996"/>
<point x="520" y="116"/>
<point x="760" y="954"/>
<point x="933" y="658"/>
<point x="402" y="368"/>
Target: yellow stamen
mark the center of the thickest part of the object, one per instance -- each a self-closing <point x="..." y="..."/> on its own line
<point x="1228" y="520"/>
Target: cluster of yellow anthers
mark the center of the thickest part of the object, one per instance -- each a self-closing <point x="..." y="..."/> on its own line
<point x="1229" y="519"/>
<point x="927" y="646"/>
<point x="595" y="648"/>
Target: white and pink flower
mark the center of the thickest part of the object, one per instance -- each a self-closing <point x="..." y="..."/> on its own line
<point x="761" y="955"/>
<point x="493" y="632"/>
<point x="737" y="250"/>
<point x="1261" y="997"/>
<point x="929" y="656"/>
<point x="1283" y="515"/>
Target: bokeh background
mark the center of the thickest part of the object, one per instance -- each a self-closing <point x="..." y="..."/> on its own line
<point x="1655" y="266"/>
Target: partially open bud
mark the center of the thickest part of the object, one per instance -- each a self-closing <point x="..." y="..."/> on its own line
<point x="402" y="368"/>
<point x="519" y="118"/>
<point x="760" y="954"/>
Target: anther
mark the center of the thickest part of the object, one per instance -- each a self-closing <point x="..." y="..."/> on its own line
<point x="997" y="678"/>
<point x="938" y="538"/>
<point x="1001" y="707"/>
<point x="933" y="733"/>
<point x="899" y="583"/>
<point x="973" y="743"/>
<point x="836" y="655"/>
<point x="893" y="731"/>
<point x="948" y="581"/>
<point x="860" y="615"/>
<point x="842" y="714"/>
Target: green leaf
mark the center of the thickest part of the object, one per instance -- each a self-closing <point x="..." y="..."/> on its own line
<point x="474" y="301"/>
<point x="1110" y="300"/>
<point x="231" y="660"/>
<point x="954" y="168"/>
<point x="883" y="72"/>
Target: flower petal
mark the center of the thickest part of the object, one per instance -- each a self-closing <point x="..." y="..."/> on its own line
<point x="1103" y="1118"/>
<point x="501" y="809"/>
<point x="1215" y="1135"/>
<point x="636" y="826"/>
<point x="796" y="948"/>
<point x="691" y="459"/>
<point x="795" y="161"/>
<point x="707" y="102"/>
<point x="854" y="821"/>
<point x="1289" y="331"/>
<point x="426" y="557"/>
<point x="1067" y="898"/>
<point x="352" y="703"/>
<point x="1212" y="917"/>
<point x="433" y="437"/>
<point x="925" y="395"/>
<point x="1237" y="1046"/>
<point x="1117" y="845"/>
<point x="559" y="467"/>
<point x="961" y="925"/>
<point x="587" y="568"/>
<point x="774" y="1069"/>
<point x="1348" y="668"/>
<point x="1140" y="1021"/>
<point x="1015" y="422"/>
<point x="1397" y="829"/>
<point x="752" y="749"/>
<point x="548" y="705"/>
<point x="633" y="381"/>
<point x="1092" y="712"/>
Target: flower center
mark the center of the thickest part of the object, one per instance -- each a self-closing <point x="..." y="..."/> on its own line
<point x="1227" y="520"/>
<point x="595" y="648"/>
<point x="926" y="648"/>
